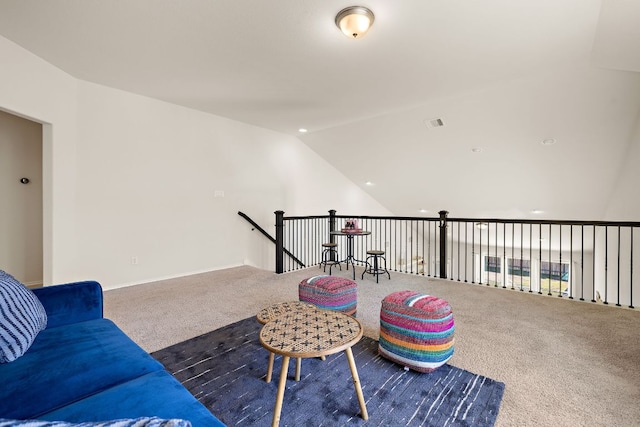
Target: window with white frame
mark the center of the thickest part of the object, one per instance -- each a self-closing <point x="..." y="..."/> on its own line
<point x="524" y="274"/>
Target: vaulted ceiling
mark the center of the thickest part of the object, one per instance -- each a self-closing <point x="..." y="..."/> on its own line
<point x="502" y="75"/>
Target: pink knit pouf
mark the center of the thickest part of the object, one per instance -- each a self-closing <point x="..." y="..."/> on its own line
<point x="416" y="330"/>
<point x="330" y="293"/>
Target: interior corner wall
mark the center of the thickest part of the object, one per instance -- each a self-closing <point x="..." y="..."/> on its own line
<point x="159" y="188"/>
<point x="136" y="189"/>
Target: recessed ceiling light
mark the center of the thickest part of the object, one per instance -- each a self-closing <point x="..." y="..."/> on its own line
<point x="423" y="211"/>
<point x="368" y="183"/>
<point x="477" y="150"/>
<point x="548" y="141"/>
<point x="536" y="211"/>
<point x="302" y="130"/>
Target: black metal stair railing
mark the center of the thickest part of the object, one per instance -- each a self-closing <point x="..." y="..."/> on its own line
<point x="282" y="250"/>
<point x="583" y="260"/>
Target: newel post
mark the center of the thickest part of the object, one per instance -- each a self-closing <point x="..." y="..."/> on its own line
<point x="443" y="244"/>
<point x="332" y="225"/>
<point x="279" y="242"/>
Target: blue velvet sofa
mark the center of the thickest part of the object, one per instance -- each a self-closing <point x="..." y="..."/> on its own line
<point x="82" y="367"/>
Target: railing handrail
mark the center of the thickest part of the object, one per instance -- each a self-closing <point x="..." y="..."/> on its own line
<point x="268" y="236"/>
<point x="598" y="256"/>
<point x="478" y="220"/>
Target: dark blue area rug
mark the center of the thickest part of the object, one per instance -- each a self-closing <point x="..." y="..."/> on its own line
<point x="225" y="369"/>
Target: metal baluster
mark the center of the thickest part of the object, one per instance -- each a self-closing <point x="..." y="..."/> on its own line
<point x="606" y="264"/>
<point x="495" y="285"/>
<point x="410" y="260"/>
<point x="549" y="291"/>
<point x="386" y="239"/>
<point x="560" y="260"/>
<point x="513" y="243"/>
<point x="593" y="294"/>
<point x="540" y="260"/>
<point x="521" y="240"/>
<point x="582" y="262"/>
<point x="504" y="255"/>
<point x="429" y="247"/>
<point x="395" y="237"/>
<point x="424" y="223"/>
<point x="466" y="227"/>
<point x="458" y="277"/>
<point x="473" y="253"/>
<point x="618" y="303"/>
<point x="480" y="246"/>
<point x="631" y="272"/>
<point x="436" y="249"/>
<point x="530" y="254"/>
<point x="571" y="262"/>
<point x="488" y="250"/>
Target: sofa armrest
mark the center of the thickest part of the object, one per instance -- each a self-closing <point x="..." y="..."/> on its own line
<point x="71" y="302"/>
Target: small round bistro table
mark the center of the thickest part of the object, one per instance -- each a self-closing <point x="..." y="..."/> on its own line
<point x="273" y="311"/>
<point x="350" y="253"/>
<point x="312" y="333"/>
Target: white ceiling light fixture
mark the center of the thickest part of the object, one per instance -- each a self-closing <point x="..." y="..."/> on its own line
<point x="354" y="21"/>
<point x="302" y="130"/>
<point x="369" y="183"/>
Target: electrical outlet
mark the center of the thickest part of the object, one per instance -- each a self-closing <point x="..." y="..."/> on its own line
<point x="134" y="260"/>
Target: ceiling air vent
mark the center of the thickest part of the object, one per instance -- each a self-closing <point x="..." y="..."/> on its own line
<point x="434" y="123"/>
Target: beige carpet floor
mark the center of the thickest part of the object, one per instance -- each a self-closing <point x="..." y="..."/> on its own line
<point x="564" y="363"/>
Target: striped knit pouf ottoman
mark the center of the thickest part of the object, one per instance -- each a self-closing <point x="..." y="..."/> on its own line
<point x="416" y="330"/>
<point x="330" y="293"/>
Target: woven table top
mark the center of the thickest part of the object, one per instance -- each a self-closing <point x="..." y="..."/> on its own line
<point x="281" y="308"/>
<point x="310" y="333"/>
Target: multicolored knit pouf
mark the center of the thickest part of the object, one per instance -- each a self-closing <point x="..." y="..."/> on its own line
<point x="330" y="293"/>
<point x="416" y="330"/>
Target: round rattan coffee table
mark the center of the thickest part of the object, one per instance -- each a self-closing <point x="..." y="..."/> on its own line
<point x="275" y="310"/>
<point x="312" y="333"/>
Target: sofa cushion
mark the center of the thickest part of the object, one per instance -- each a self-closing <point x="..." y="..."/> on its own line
<point x="71" y="302"/>
<point x="22" y="317"/>
<point x="155" y="394"/>
<point x="68" y="363"/>
<point x="137" y="422"/>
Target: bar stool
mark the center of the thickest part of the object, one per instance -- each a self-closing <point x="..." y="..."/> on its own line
<point x="329" y="257"/>
<point x="375" y="268"/>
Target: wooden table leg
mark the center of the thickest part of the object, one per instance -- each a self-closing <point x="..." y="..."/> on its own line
<point x="298" y="365"/>
<point x="280" y="395"/>
<point x="356" y="383"/>
<point x="270" y="367"/>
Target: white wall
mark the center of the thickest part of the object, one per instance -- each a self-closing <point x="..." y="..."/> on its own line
<point x="21" y="206"/>
<point x="131" y="177"/>
<point x="624" y="203"/>
<point x="34" y="89"/>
